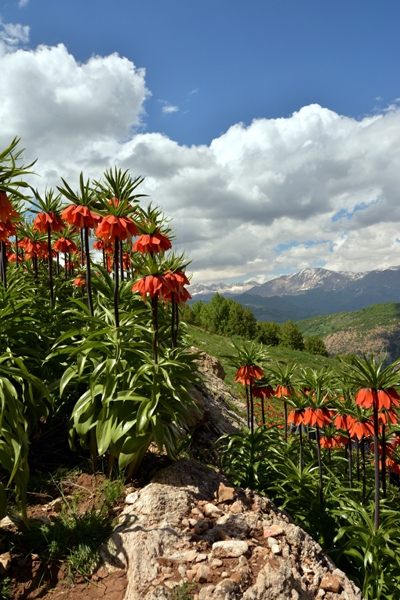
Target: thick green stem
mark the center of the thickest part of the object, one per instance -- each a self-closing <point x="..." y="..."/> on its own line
<point x="50" y="265"/>
<point x="364" y="474"/>
<point x="247" y="406"/>
<point x="154" y="305"/>
<point x="321" y="491"/>
<point x="350" y="455"/>
<point x="285" y="415"/>
<point x="16" y="252"/>
<point x="301" y="447"/>
<point x="383" y="470"/>
<point x="116" y="281"/>
<point x="3" y="270"/>
<point x="251" y="408"/>
<point x="88" y="272"/>
<point x="376" y="457"/>
<point x="121" y="260"/>
<point x="263" y="409"/>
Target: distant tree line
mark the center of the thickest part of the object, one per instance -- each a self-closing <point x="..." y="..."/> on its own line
<point x="224" y="316"/>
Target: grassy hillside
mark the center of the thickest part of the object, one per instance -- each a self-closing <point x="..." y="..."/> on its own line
<point x="218" y="346"/>
<point x="374" y="329"/>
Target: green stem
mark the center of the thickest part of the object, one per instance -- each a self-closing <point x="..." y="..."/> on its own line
<point x="88" y="272"/>
<point x="116" y="281"/>
<point x="321" y="492"/>
<point x="154" y="305"/>
<point x="50" y="265"/>
<point x="376" y="456"/>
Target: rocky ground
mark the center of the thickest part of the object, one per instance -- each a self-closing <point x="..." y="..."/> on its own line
<point x="189" y="529"/>
<point x="187" y="533"/>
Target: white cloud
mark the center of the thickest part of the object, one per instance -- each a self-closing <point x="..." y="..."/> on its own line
<point x="169" y="108"/>
<point x="22" y="3"/>
<point x="12" y="35"/>
<point x="313" y="189"/>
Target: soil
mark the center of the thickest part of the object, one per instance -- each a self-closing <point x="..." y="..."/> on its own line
<point x="34" y="578"/>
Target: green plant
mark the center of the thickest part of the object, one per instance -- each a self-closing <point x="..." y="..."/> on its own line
<point x="5" y="588"/>
<point x="372" y="553"/>
<point x="184" y="591"/>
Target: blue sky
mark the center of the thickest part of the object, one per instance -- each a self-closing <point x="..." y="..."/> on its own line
<point x="233" y="72"/>
<point x="227" y="61"/>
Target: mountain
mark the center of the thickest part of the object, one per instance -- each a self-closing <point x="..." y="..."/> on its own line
<point x="374" y="329"/>
<point x="305" y="280"/>
<point x="199" y="291"/>
<point x="313" y="292"/>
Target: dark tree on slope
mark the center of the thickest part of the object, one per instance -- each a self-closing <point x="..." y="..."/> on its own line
<point x="241" y="321"/>
<point x="315" y="345"/>
<point x="268" y="333"/>
<point x="291" y="336"/>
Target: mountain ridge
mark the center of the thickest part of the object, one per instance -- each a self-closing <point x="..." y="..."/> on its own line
<point x="314" y="292"/>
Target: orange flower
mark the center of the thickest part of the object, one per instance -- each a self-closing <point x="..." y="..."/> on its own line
<point x="65" y="245"/>
<point x="386" y="416"/>
<point x="152" y="285"/>
<point x="13" y="258"/>
<point x="344" y="422"/>
<point x="176" y="281"/>
<point x="38" y="249"/>
<point x="329" y="442"/>
<point x="317" y="416"/>
<point x="361" y="429"/>
<point x="43" y="220"/>
<point x="248" y="373"/>
<point x="7" y="228"/>
<point x="80" y="281"/>
<point x="296" y="417"/>
<point x="80" y="216"/>
<point x="385" y="398"/>
<point x="7" y="211"/>
<point x="100" y="245"/>
<point x="265" y="391"/>
<point x="126" y="261"/>
<point x="281" y="391"/>
<point x="152" y="242"/>
<point x="393" y="466"/>
<point x="112" y="227"/>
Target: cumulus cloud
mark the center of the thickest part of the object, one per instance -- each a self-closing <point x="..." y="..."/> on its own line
<point x="12" y="35"/>
<point x="314" y="189"/>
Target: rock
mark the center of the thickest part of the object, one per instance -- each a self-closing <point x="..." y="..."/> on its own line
<point x="216" y="562"/>
<point x="191" y="555"/>
<point x="10" y="524"/>
<point x="203" y="574"/>
<point x="211" y="365"/>
<point x="201" y="557"/>
<point x="225" y="493"/>
<point x="236" y="507"/>
<point x="158" y="593"/>
<point x="56" y="504"/>
<point x="131" y="498"/>
<point x="5" y="562"/>
<point x="151" y="544"/>
<point x="210" y="510"/>
<point x="229" y="549"/>
<point x="273" y="530"/>
<point x="330" y="583"/>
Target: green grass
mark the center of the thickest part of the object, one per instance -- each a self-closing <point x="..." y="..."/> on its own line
<point x="75" y="537"/>
<point x="386" y="315"/>
<point x="218" y="346"/>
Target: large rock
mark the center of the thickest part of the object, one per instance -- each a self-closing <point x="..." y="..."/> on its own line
<point x="166" y="539"/>
<point x="219" y="409"/>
